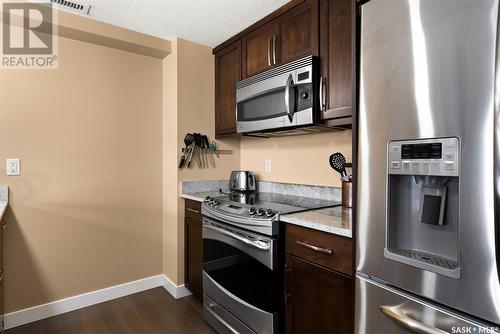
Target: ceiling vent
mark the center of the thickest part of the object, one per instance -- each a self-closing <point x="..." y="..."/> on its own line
<point x="72" y="6"/>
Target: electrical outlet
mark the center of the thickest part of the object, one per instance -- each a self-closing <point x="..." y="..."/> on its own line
<point x="267" y="166"/>
<point x="13" y="167"/>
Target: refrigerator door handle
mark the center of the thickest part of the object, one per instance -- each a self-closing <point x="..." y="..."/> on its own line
<point x="404" y="320"/>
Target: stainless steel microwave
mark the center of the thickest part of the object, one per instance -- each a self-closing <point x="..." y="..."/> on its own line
<point x="282" y="98"/>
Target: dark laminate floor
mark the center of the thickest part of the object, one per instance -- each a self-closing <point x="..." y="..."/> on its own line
<point x="151" y="311"/>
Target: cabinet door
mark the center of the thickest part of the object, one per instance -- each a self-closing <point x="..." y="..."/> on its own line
<point x="337" y="53"/>
<point x="227" y="73"/>
<point x="318" y="300"/>
<point x="193" y="256"/>
<point x="298" y="33"/>
<point x="257" y="49"/>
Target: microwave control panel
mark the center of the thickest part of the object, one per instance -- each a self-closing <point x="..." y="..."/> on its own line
<point x="437" y="157"/>
<point x="304" y="96"/>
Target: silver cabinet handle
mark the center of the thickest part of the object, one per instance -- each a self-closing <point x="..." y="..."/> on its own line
<point x="413" y="325"/>
<point x="192" y="210"/>
<point x="269" y="51"/>
<point x="254" y="243"/>
<point x="289" y="107"/>
<point x="1" y="276"/>
<point x="314" y="248"/>
<point x="322" y="104"/>
<point x="274" y="49"/>
<point x="222" y="321"/>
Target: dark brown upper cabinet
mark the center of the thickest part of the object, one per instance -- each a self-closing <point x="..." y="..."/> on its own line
<point x="258" y="49"/>
<point x="298" y="32"/>
<point x="292" y="35"/>
<point x="322" y="28"/>
<point x="337" y="58"/>
<point x="227" y="73"/>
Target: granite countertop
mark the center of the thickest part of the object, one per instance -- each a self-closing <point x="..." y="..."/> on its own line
<point x="336" y="220"/>
<point x="200" y="196"/>
<point x="4" y="200"/>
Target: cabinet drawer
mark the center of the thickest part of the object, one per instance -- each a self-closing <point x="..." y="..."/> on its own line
<point x="321" y="248"/>
<point x="193" y="210"/>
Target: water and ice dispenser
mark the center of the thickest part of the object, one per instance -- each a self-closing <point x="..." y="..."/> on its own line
<point x="423" y="204"/>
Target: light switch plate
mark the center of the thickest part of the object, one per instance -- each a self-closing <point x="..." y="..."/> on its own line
<point x="13" y="167"/>
<point x="267" y="166"/>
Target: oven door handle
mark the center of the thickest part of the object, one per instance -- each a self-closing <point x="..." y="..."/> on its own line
<point x="257" y="244"/>
<point x="289" y="104"/>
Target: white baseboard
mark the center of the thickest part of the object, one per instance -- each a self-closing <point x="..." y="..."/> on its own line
<point x="178" y="291"/>
<point x="48" y="310"/>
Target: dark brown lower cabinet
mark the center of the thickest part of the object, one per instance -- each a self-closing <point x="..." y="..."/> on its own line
<point x="193" y="248"/>
<point x="318" y="300"/>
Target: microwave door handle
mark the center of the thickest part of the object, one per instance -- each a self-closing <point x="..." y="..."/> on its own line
<point x="289" y="107"/>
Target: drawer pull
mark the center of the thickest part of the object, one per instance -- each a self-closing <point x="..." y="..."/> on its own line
<point x="211" y="308"/>
<point x="314" y="248"/>
<point x="193" y="210"/>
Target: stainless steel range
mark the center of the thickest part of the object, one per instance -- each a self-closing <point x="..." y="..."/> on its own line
<point x="243" y="260"/>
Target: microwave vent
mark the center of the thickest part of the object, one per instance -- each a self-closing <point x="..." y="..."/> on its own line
<point x="285" y="68"/>
<point x="72" y="6"/>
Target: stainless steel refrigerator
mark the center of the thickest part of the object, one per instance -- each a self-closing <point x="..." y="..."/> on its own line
<point x="428" y="174"/>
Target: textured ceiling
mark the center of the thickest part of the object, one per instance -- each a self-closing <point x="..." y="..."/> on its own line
<point x="208" y="22"/>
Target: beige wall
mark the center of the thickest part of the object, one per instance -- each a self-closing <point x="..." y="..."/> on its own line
<point x="297" y="159"/>
<point x="86" y="212"/>
<point x="189" y="100"/>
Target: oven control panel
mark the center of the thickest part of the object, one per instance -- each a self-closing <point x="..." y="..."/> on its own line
<point x="242" y="210"/>
<point x="438" y="157"/>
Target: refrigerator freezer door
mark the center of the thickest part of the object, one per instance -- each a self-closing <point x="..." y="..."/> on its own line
<point x="381" y="309"/>
<point x="427" y="70"/>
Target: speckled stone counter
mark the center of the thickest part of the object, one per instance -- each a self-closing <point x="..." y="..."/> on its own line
<point x="4" y="200"/>
<point x="200" y="196"/>
<point x="336" y="220"/>
<point x="199" y="190"/>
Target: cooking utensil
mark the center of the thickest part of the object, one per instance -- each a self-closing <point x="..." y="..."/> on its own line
<point x="209" y="152"/>
<point x="188" y="139"/>
<point x="337" y="162"/>
<point x="190" y="153"/>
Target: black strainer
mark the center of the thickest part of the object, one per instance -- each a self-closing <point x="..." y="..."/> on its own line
<point x="338" y="163"/>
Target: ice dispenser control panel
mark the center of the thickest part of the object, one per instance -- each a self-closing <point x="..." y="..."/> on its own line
<point x="437" y="156"/>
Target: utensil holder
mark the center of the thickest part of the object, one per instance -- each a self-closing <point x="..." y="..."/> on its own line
<point x="347" y="194"/>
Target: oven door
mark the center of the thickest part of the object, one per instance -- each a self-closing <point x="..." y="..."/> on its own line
<point x="279" y="98"/>
<point x="242" y="288"/>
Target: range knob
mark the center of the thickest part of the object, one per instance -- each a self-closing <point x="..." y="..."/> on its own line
<point x="260" y="212"/>
<point x="211" y="201"/>
<point x="304" y="95"/>
<point x="215" y="202"/>
<point x="269" y="213"/>
<point x="207" y="199"/>
<point x="252" y="211"/>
